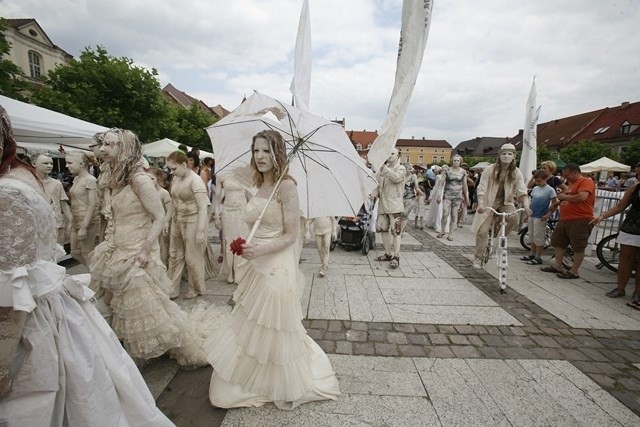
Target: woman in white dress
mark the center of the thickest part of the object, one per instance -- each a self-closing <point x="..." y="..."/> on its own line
<point x="60" y="363"/>
<point x="261" y="353"/>
<point x="127" y="264"/>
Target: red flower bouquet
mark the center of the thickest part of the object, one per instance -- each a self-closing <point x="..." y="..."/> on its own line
<point x="236" y="246"/>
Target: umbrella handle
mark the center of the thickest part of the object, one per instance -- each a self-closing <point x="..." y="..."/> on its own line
<point x="273" y="193"/>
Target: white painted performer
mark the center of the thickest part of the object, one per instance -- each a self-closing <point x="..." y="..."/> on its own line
<point x="84" y="208"/>
<point x="391" y="220"/>
<point x="55" y="194"/>
<point x="500" y="185"/>
<point x="324" y="229"/>
<point x="451" y="193"/>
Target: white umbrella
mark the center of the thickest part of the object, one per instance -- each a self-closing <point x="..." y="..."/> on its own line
<point x="332" y="180"/>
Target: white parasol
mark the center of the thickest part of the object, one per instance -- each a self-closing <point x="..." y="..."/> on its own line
<point x="332" y="180"/>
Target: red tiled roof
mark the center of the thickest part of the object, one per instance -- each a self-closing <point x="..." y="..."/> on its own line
<point x="362" y="137"/>
<point x="438" y="143"/>
<point x="179" y="96"/>
<point x="608" y="124"/>
<point x="559" y="132"/>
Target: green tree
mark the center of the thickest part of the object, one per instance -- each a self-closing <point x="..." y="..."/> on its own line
<point x="188" y="126"/>
<point x="12" y="79"/>
<point x="544" y="153"/>
<point x="586" y="151"/>
<point x="631" y="155"/>
<point x="109" y="91"/>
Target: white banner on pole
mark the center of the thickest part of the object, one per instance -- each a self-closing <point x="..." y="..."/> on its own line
<point x="416" y="19"/>
<point x="301" y="82"/>
<point x="528" y="162"/>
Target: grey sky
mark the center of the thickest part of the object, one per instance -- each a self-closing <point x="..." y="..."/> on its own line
<point x="480" y="59"/>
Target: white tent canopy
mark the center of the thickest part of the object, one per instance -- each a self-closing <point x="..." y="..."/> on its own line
<point x="604" y="164"/>
<point x="38" y="129"/>
<point x="166" y="146"/>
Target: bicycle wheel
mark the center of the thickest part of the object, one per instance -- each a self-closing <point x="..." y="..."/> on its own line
<point x="608" y="252"/>
<point x="525" y="238"/>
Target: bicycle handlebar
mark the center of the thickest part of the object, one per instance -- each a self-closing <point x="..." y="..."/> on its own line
<point x="505" y="213"/>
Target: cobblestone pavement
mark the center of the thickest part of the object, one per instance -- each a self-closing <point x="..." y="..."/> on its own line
<point x="537" y="341"/>
<point x="606" y="356"/>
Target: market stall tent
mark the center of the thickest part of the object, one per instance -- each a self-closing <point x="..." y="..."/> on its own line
<point x="38" y="129"/>
<point x="604" y="164"/>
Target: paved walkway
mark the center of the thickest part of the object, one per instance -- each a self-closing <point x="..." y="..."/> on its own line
<point x="435" y="343"/>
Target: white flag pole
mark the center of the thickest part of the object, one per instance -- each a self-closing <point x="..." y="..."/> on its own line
<point x="416" y="19"/>
<point x="301" y="82"/>
<point x="528" y="157"/>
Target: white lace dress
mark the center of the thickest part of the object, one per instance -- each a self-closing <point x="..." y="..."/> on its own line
<point x="261" y="353"/>
<point x="69" y="368"/>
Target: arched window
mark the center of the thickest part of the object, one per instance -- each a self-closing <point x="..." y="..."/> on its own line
<point x="35" y="64"/>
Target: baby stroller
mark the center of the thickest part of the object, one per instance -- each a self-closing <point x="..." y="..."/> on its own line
<point x="354" y="233"/>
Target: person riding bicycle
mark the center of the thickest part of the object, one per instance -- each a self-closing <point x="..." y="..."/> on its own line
<point x="500" y="184"/>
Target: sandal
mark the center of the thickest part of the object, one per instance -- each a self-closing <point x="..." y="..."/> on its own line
<point x="527" y="257"/>
<point x="615" y="293"/>
<point x="395" y="262"/>
<point x="440" y="235"/>
<point x="551" y="269"/>
<point x="385" y="257"/>
<point x="567" y="275"/>
<point x="534" y="261"/>
<point x="450" y="239"/>
<point x="634" y="304"/>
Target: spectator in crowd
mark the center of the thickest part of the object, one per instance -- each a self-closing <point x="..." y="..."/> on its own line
<point x="542" y="195"/>
<point x="630" y="181"/>
<point x="573" y="228"/>
<point x="549" y="169"/>
<point x="629" y="240"/>
<point x="612" y="181"/>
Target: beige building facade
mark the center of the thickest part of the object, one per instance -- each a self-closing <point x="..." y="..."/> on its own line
<point x="32" y="50"/>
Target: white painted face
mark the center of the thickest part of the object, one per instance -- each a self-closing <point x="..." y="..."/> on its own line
<point x="262" y="155"/>
<point x="110" y="148"/>
<point x="507" y="156"/>
<point x="74" y="164"/>
<point x="178" y="169"/>
<point x="44" y="165"/>
<point x="456" y="161"/>
<point x="393" y="157"/>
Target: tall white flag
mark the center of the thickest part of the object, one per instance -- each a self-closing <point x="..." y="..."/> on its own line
<point x="416" y="19"/>
<point x="301" y="82"/>
<point x="528" y="160"/>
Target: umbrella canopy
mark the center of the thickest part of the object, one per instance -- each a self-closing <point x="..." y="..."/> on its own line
<point x="332" y="180"/>
<point x="164" y="147"/>
<point x="604" y="164"/>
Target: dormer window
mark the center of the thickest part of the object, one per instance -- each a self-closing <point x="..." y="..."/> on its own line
<point x="625" y="128"/>
<point x="35" y="64"/>
<point x="359" y="147"/>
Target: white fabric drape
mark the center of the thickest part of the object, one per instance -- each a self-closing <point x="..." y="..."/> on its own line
<point x="528" y="161"/>
<point x="301" y="82"/>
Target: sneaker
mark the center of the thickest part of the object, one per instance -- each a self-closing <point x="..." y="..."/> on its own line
<point x="477" y="264"/>
<point x="527" y="257"/>
<point x="534" y="261"/>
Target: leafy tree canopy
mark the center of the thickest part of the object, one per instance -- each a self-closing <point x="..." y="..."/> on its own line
<point x="12" y="79"/>
<point x="586" y="151"/>
<point x="631" y="155"/>
<point x="109" y="91"/>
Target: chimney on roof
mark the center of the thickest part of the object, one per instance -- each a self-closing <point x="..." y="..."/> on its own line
<point x="423" y="138"/>
<point x="412" y="137"/>
<point x="624" y="105"/>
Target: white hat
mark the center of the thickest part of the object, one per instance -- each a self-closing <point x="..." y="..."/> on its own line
<point x="508" y="146"/>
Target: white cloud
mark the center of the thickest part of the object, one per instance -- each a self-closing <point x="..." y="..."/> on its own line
<point x="476" y="74"/>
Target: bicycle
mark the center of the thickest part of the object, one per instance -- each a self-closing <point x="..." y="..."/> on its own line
<point x="608" y="253"/>
<point x="502" y="259"/>
<point x="525" y="241"/>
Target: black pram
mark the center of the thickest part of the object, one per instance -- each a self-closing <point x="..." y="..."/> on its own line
<point x="354" y="232"/>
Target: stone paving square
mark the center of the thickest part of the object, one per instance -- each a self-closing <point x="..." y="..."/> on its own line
<point x="425" y="289"/>
<point x="423" y="391"/>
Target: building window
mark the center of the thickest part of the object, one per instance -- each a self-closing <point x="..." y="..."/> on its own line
<point x="442" y="158"/>
<point x="359" y="147"/>
<point x="35" y="64"/>
<point x="421" y="159"/>
<point x="369" y="146"/>
<point x="434" y="159"/>
<point x="625" y="128"/>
